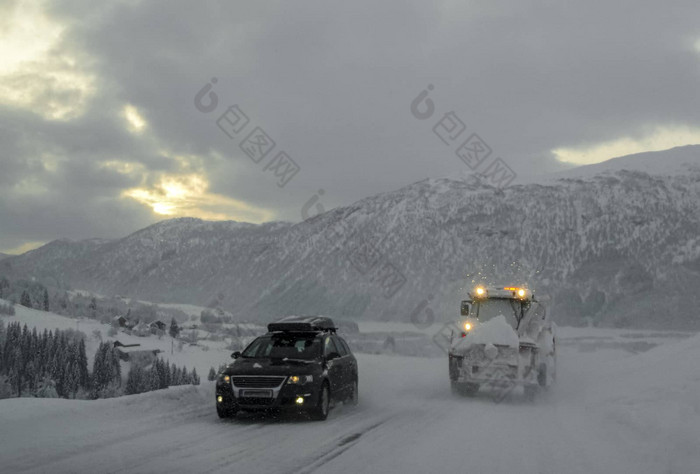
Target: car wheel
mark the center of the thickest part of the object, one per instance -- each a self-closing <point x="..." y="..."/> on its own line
<point x="320" y="411"/>
<point x="468" y="389"/>
<point x="542" y="375"/>
<point x="225" y="411"/>
<point x="531" y="392"/>
<point x="354" y="397"/>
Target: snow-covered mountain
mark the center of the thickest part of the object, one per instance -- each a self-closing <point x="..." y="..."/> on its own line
<point x="612" y="244"/>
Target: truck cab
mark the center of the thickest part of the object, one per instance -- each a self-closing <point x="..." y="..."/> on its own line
<point x="505" y="339"/>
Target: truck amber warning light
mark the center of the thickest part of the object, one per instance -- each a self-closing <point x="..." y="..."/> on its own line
<point x="520" y="291"/>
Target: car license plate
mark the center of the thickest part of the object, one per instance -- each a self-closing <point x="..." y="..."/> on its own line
<point x="256" y="393"/>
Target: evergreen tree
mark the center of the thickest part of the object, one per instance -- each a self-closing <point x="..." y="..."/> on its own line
<point x="25" y="300"/>
<point x="153" y="379"/>
<point x="2" y="342"/>
<point x="194" y="378"/>
<point x="59" y="362"/>
<point x="100" y="370"/>
<point x="116" y="370"/>
<point x="71" y="381"/>
<point x="174" y="329"/>
<point x="173" y="375"/>
<point x="212" y="374"/>
<point x="46" y="299"/>
<point x="83" y="375"/>
<point x="166" y="370"/>
<point x="4" y="286"/>
<point x="163" y="374"/>
<point x="16" y="370"/>
<point x="30" y="376"/>
<point x="178" y="376"/>
<point x="134" y="380"/>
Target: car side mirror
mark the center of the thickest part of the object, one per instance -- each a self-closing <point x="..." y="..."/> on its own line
<point x="236" y="355"/>
<point x="332" y="355"/>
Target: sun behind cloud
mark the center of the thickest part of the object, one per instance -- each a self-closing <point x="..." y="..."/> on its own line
<point x="187" y="195"/>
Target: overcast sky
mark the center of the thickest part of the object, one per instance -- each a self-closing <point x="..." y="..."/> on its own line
<point x="100" y="134"/>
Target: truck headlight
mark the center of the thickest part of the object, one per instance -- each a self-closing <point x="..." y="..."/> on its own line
<point x="300" y="379"/>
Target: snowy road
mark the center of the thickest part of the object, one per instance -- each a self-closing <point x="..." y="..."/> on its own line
<point x="606" y="414"/>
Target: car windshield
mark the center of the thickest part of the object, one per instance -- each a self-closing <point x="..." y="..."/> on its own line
<point x="284" y="346"/>
<point x="490" y="308"/>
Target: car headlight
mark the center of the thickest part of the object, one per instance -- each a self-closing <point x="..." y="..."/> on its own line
<point x="300" y="379"/>
<point x="224" y="378"/>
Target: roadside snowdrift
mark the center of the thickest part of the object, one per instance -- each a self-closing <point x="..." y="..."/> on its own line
<point x="656" y="396"/>
<point x="608" y="412"/>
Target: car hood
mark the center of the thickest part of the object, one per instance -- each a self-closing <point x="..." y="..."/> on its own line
<point x="272" y="367"/>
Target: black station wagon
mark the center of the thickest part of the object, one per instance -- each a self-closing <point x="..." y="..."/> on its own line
<point x="301" y="364"/>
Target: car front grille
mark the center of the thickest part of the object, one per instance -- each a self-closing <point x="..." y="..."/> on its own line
<point x="256" y="401"/>
<point x="257" y="381"/>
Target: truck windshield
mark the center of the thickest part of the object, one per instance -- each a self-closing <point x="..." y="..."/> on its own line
<point x="490" y="308"/>
<point x="284" y="346"/>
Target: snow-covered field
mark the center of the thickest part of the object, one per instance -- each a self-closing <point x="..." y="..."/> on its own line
<point x="202" y="357"/>
<point x="615" y="408"/>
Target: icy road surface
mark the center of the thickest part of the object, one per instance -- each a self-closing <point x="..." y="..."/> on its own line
<point x="611" y="411"/>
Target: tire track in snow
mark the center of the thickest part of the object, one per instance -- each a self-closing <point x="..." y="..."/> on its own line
<point x="342" y="445"/>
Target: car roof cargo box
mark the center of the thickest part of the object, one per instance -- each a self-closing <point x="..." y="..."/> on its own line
<point x="302" y="324"/>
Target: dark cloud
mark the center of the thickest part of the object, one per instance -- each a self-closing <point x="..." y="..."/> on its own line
<point x="332" y="83"/>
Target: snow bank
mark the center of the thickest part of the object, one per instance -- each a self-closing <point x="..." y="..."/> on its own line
<point x="627" y="413"/>
<point x="654" y="398"/>
<point x="494" y="331"/>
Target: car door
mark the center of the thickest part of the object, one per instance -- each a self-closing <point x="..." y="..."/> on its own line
<point x="351" y="361"/>
<point x="334" y="366"/>
<point x="345" y="363"/>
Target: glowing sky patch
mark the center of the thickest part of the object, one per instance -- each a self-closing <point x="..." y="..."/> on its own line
<point x="186" y="195"/>
<point x="661" y="138"/>
<point x="33" y="74"/>
<point x="26" y="34"/>
<point x="135" y="122"/>
<point x="25" y="247"/>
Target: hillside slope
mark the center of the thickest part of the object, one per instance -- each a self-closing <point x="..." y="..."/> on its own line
<point x="605" y="247"/>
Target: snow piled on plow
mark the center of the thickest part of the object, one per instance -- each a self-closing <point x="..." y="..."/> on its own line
<point x="494" y="331"/>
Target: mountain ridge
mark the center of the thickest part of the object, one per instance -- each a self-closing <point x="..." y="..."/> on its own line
<point x="603" y="246"/>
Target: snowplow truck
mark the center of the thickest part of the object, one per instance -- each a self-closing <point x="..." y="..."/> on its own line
<point x="503" y="340"/>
